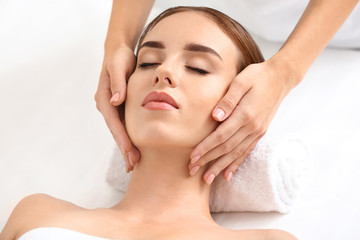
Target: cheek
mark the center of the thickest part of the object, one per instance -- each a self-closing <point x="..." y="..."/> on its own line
<point x="132" y="104"/>
<point x="209" y="95"/>
<point x="203" y="102"/>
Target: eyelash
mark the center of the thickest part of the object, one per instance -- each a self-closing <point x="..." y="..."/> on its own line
<point x="144" y="65"/>
<point x="198" y="70"/>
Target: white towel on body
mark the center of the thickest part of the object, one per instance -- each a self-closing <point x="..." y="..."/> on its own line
<point x="55" y="233"/>
<point x="270" y="179"/>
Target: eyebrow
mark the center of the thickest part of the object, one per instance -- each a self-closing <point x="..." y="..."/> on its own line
<point x="194" y="47"/>
<point x="152" y="44"/>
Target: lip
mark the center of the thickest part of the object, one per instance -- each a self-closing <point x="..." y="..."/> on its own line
<point x="159" y="100"/>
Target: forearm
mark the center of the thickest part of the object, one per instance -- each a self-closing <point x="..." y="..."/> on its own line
<point x="316" y="27"/>
<point x="126" y="22"/>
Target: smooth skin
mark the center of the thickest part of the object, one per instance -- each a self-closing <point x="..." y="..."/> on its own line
<point x="39" y="210"/>
<point x="172" y="205"/>
<point x="252" y="99"/>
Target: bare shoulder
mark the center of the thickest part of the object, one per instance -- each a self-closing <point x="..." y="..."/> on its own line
<point x="31" y="212"/>
<point x="263" y="234"/>
<point x="276" y="234"/>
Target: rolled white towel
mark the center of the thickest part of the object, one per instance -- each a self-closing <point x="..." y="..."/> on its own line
<point x="270" y="179"/>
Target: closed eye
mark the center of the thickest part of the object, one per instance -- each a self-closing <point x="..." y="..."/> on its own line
<point x="198" y="70"/>
<point x="144" y="65"/>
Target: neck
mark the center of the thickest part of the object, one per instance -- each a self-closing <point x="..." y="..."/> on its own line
<point x="161" y="187"/>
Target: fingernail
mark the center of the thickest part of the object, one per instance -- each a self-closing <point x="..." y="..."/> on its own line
<point x="210" y="178"/>
<point x="194" y="159"/>
<point x="115" y="97"/>
<point x="229" y="176"/>
<point x="219" y="114"/>
<point x="194" y="170"/>
<point x="130" y="159"/>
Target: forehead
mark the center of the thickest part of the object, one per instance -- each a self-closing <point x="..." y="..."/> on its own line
<point x="181" y="28"/>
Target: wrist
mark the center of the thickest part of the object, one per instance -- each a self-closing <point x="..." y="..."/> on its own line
<point x="116" y="42"/>
<point x="111" y="46"/>
<point x="292" y="72"/>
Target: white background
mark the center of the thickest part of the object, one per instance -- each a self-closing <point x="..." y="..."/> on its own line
<point x="54" y="141"/>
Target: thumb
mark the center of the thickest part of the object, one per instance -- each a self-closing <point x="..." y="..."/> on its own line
<point x="118" y="87"/>
<point x="231" y="99"/>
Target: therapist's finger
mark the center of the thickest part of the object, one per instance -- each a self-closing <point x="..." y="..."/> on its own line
<point x="227" y="159"/>
<point x="117" y="85"/>
<point x="112" y="119"/>
<point x="222" y="133"/>
<point x="223" y="148"/>
<point x="119" y="66"/>
<point x="238" y="88"/>
<point x="121" y="137"/>
<point x="233" y="167"/>
<point x="133" y="153"/>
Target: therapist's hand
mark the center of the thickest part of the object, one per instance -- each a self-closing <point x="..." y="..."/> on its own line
<point x="248" y="108"/>
<point x="117" y="66"/>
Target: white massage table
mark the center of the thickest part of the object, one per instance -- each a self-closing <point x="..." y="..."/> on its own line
<point x="54" y="141"/>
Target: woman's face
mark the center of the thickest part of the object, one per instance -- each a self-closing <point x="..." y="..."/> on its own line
<point x="187" y="56"/>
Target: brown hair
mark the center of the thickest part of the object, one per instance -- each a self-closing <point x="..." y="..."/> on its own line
<point x="237" y="33"/>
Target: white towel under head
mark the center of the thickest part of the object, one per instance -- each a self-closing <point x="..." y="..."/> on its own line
<point x="270" y="179"/>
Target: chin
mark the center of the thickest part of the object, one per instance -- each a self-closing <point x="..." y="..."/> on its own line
<point x="160" y="135"/>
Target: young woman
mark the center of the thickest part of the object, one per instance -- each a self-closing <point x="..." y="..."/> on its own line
<point x="186" y="60"/>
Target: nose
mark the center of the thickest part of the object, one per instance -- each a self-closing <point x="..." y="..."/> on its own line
<point x="164" y="75"/>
